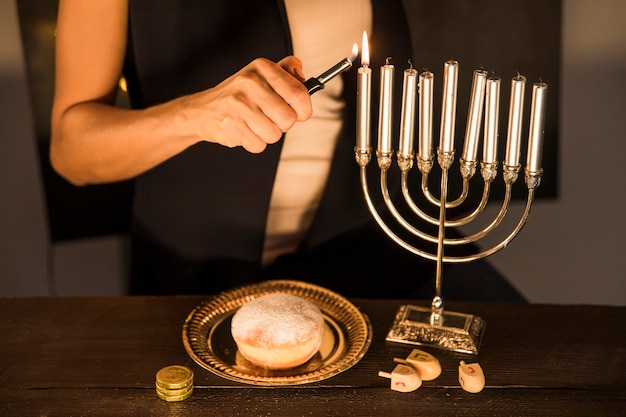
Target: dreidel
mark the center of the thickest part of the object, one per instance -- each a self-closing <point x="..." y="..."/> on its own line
<point x="471" y="377"/>
<point x="404" y="378"/>
<point x="426" y="365"/>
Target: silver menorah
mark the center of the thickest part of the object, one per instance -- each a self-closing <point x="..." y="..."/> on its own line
<point x="435" y="326"/>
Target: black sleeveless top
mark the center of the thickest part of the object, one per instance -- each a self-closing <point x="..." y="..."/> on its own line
<point x="211" y="202"/>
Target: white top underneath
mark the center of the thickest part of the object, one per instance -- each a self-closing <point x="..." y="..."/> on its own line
<point x="322" y="32"/>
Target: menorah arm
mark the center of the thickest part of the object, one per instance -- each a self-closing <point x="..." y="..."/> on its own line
<point x="383" y="225"/>
<point x="411" y="203"/>
<point x="401" y="220"/>
<point x="462" y="197"/>
<point x="507" y="240"/>
<point x="467" y="169"/>
<point x="447" y="259"/>
<point x="495" y="223"/>
<point x="533" y="180"/>
<point x="432" y="220"/>
<point x="436" y="202"/>
<point x="412" y="229"/>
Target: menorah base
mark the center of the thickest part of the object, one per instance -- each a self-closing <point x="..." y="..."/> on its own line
<point x="449" y="330"/>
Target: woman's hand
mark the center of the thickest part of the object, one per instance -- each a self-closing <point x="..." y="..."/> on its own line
<point x="252" y="108"/>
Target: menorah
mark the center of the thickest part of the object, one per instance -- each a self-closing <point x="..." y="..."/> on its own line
<point x="435" y="326"/>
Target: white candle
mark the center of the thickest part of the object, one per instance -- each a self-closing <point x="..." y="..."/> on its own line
<point x="492" y="99"/>
<point x="385" y="115"/>
<point x="425" y="125"/>
<point x="448" y="114"/>
<point x="407" y="122"/>
<point x="474" y="116"/>
<point x="537" y="121"/>
<point x="363" y="93"/>
<point x="514" y="131"/>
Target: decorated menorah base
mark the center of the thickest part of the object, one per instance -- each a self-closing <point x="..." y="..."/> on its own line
<point x="448" y="330"/>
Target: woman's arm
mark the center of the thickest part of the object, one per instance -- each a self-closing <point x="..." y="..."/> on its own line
<point x="95" y="142"/>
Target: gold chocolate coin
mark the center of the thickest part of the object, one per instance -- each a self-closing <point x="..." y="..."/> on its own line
<point x="166" y="387"/>
<point x="174" y="392"/>
<point x="170" y="398"/>
<point x="174" y="383"/>
<point x="174" y="377"/>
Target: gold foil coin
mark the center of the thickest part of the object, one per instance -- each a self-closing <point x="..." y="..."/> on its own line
<point x="174" y="383"/>
<point x="173" y="398"/>
<point x="165" y="387"/>
<point x="174" y="377"/>
<point x="174" y="392"/>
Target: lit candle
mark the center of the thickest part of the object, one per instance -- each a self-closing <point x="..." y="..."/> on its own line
<point x="514" y="131"/>
<point x="537" y="121"/>
<point x="448" y="115"/>
<point x="364" y="81"/>
<point x="407" y="122"/>
<point x="474" y="116"/>
<point x="490" y="146"/>
<point x="425" y="126"/>
<point x="386" y="108"/>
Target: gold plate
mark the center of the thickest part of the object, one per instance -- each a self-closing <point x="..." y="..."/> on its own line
<point x="208" y="341"/>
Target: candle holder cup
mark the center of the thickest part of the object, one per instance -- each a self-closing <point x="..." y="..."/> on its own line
<point x="434" y="326"/>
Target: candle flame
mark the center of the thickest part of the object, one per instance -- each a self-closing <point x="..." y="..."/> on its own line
<point x="365" y="51"/>
<point x="355" y="52"/>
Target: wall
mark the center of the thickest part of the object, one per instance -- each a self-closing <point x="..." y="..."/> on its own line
<point x="24" y="247"/>
<point x="30" y="263"/>
<point x="571" y="249"/>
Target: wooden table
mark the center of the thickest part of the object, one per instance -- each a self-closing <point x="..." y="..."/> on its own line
<point x="99" y="357"/>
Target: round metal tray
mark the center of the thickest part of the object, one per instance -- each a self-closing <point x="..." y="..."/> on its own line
<point x="208" y="341"/>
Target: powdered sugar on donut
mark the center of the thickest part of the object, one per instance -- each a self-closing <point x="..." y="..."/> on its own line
<point x="276" y="320"/>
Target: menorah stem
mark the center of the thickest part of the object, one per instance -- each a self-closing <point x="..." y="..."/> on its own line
<point x="437" y="303"/>
<point x="444" y="158"/>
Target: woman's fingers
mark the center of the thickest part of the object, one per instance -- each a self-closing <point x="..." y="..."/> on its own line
<point x="255" y="106"/>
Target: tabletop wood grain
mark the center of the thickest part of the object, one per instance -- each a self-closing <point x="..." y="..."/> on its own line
<point x="99" y="357"/>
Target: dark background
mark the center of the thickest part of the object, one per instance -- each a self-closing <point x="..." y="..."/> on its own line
<point x="503" y="37"/>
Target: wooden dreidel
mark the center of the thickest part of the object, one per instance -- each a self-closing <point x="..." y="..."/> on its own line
<point x="471" y="377"/>
<point x="404" y="378"/>
<point x="426" y="365"/>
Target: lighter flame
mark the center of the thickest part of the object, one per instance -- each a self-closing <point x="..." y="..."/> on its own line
<point x="355" y="52"/>
<point x="365" y="51"/>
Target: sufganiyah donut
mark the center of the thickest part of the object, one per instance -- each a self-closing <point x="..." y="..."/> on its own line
<point x="278" y="331"/>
